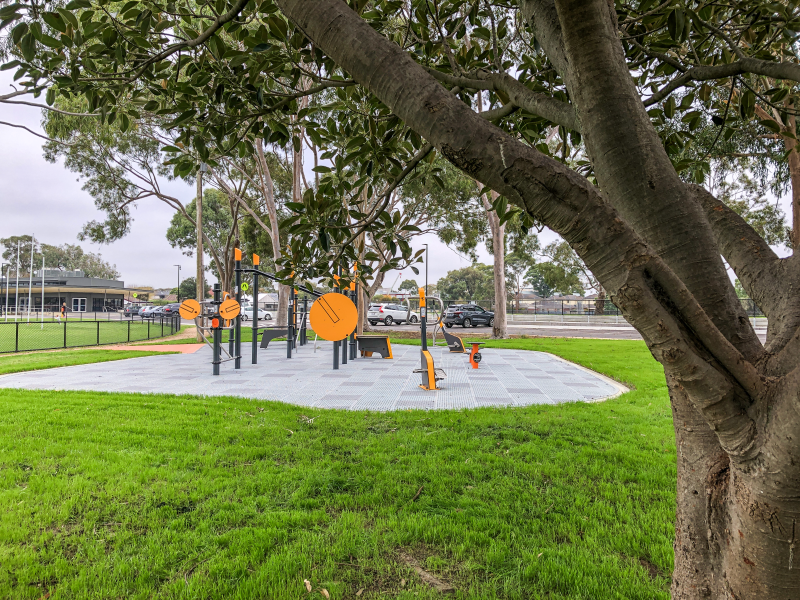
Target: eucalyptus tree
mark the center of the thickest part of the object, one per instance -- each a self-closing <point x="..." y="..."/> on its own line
<point x="601" y="76"/>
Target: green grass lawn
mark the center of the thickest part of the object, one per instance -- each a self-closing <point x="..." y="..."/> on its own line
<point x="48" y="335"/>
<point x="155" y="496"/>
<point x="16" y="363"/>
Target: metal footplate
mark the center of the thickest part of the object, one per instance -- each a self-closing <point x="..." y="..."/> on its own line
<point x="429" y="374"/>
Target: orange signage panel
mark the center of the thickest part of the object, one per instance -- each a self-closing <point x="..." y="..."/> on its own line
<point x="189" y="309"/>
<point x="229" y="309"/>
<point x="333" y="317"/>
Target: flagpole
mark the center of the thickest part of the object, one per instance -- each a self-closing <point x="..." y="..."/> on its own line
<point x="16" y="291"/>
<point x="30" y="281"/>
<point x="42" y="327"/>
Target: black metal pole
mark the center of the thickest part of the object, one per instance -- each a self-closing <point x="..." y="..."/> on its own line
<point x="336" y="344"/>
<point x="217" y="334"/>
<point x="353" y="333"/>
<point x="295" y="306"/>
<point x="289" y="323"/>
<point x="237" y="362"/>
<point x="254" y="344"/>
<point x="304" y="332"/>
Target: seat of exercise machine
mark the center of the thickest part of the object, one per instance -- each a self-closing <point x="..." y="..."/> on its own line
<point x="454" y="342"/>
<point x="475" y="355"/>
<point x="272" y="333"/>
<point x="375" y="343"/>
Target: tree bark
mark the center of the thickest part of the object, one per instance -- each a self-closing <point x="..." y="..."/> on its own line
<point x="500" y="326"/>
<point x="200" y="274"/>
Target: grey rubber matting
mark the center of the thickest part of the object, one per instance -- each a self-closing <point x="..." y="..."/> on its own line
<point x="505" y="378"/>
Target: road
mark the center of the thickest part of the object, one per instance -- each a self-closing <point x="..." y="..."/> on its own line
<point x="577" y="330"/>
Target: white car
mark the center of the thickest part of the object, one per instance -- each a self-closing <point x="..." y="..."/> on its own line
<point x="247" y="314"/>
<point x="390" y="313"/>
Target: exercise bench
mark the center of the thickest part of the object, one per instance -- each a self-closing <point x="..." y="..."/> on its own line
<point x="271" y="333"/>
<point x="375" y="343"/>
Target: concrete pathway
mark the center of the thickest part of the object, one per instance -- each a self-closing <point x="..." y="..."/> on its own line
<point x="505" y="378"/>
<point x="182" y="348"/>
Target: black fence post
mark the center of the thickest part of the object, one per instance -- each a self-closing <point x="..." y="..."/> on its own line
<point x="148" y="329"/>
<point x="65" y="331"/>
<point x="129" y="331"/>
<point x="16" y="337"/>
<point x="98" y="333"/>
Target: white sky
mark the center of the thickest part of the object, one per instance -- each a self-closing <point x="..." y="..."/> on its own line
<point x="46" y="200"/>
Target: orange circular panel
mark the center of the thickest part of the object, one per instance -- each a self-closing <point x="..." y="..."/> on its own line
<point x="333" y="317"/>
<point x="189" y="309"/>
<point x="229" y="309"/>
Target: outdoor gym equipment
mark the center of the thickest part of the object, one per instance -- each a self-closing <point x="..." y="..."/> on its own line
<point x="335" y="315"/>
<point x="430" y="374"/>
<point x="454" y="342"/>
<point x="475" y="355"/>
<point x="375" y="343"/>
<point x="219" y="312"/>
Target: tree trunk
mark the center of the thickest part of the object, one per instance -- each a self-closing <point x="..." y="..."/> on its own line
<point x="500" y="326"/>
<point x="600" y="303"/>
<point x="200" y="275"/>
<point x="735" y="530"/>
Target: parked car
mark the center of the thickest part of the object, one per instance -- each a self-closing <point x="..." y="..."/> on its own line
<point x="144" y="308"/>
<point x="247" y="313"/>
<point x="132" y="310"/>
<point x="390" y="313"/>
<point x="147" y="312"/>
<point x="170" y="310"/>
<point x="468" y="315"/>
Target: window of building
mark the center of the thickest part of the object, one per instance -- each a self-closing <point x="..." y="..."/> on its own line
<point x="79" y="305"/>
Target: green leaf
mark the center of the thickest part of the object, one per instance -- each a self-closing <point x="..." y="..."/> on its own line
<point x="68" y="17"/>
<point x="261" y="47"/>
<point x="18" y="32"/>
<point x="324" y="240"/>
<point x="780" y="95"/>
<point x="76" y="4"/>
<point x="28" y="46"/>
<point x="56" y="21"/>
<point x="747" y="104"/>
<point x="675" y="24"/>
<point x="770" y="124"/>
<point x="50" y="97"/>
<point x="669" y="107"/>
<point x="151" y="106"/>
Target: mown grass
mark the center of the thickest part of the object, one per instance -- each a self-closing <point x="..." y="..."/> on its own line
<point x="154" y="496"/>
<point x="51" y="335"/>
<point x="16" y="363"/>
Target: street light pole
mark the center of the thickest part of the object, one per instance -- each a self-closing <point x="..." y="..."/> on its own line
<point x="426" y="269"/>
<point x="178" y="292"/>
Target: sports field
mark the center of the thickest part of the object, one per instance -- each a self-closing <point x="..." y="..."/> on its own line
<point x="25" y="336"/>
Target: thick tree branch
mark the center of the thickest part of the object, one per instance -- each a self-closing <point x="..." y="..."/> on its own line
<point x="766" y="68"/>
<point x="540" y="105"/>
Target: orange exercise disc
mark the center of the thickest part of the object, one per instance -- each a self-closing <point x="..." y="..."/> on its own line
<point x="189" y="309"/>
<point x="229" y="309"/>
<point x="333" y="317"/>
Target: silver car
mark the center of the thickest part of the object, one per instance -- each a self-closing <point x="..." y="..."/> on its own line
<point x="388" y="314"/>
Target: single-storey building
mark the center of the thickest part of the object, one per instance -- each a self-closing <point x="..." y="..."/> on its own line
<point x="80" y="293"/>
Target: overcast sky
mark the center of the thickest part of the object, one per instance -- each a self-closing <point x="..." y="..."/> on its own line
<point x="46" y="200"/>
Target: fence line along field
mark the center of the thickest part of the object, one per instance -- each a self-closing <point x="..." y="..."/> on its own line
<point x="23" y="336"/>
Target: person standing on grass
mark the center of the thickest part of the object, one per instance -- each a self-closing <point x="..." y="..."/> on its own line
<point x="62" y="312"/>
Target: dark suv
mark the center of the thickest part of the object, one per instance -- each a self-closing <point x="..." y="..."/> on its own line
<point x="468" y="315"/>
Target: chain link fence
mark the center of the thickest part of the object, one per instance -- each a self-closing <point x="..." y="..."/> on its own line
<point x="22" y="336"/>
